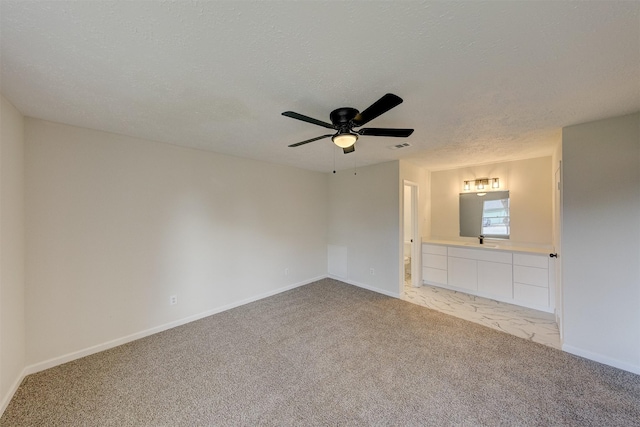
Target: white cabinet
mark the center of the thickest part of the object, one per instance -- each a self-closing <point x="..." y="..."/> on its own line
<point x="530" y="296"/>
<point x="531" y="280"/>
<point x="531" y="260"/>
<point x="513" y="277"/>
<point x="435" y="261"/>
<point x="495" y="279"/>
<point x="463" y="273"/>
<point x="488" y="272"/>
<point x="434" y="264"/>
<point x="481" y="254"/>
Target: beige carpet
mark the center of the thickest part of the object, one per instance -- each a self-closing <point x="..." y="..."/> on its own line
<point x="328" y="354"/>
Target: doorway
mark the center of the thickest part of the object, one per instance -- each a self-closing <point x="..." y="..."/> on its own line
<point x="410" y="237"/>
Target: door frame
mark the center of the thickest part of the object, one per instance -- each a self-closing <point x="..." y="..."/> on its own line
<point x="557" y="246"/>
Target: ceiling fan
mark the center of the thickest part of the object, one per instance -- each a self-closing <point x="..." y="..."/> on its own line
<point x="344" y="119"/>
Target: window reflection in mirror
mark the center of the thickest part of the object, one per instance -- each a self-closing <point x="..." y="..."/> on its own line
<point x="487" y="214"/>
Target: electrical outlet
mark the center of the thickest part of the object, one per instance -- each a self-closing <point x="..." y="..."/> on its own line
<point x="372" y="271"/>
<point x="173" y="299"/>
<point x="286" y="271"/>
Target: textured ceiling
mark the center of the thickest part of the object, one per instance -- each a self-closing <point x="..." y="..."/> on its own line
<point x="481" y="82"/>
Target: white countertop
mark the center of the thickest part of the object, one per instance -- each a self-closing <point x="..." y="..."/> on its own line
<point x="491" y="245"/>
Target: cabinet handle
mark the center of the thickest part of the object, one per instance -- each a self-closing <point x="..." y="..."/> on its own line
<point x="553" y="255"/>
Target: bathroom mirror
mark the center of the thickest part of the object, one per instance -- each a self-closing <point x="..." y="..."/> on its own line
<point x="486" y="214"/>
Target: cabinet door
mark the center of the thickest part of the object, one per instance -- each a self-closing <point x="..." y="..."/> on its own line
<point x="463" y="273"/>
<point x="495" y="279"/>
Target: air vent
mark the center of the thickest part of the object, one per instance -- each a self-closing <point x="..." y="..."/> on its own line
<point x="398" y="146"/>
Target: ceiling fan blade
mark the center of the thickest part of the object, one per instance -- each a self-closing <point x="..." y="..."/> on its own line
<point x="349" y="149"/>
<point x="310" y="140"/>
<point x="400" y="133"/>
<point x="381" y="106"/>
<point x="308" y="119"/>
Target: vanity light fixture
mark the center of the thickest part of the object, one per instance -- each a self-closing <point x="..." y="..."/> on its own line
<point x="482" y="184"/>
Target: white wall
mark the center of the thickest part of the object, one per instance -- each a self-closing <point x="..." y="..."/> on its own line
<point x="12" y="278"/>
<point x="529" y="183"/>
<point x="115" y="225"/>
<point x="556" y="206"/>
<point x="364" y="221"/>
<point x="601" y="240"/>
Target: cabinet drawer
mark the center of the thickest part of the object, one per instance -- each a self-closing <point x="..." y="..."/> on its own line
<point x="434" y="261"/>
<point x="532" y="295"/>
<point x="434" y="275"/>
<point x="531" y="276"/>
<point x="538" y="261"/>
<point x="434" y="249"/>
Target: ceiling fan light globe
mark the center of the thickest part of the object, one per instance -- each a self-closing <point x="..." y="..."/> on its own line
<point x="345" y="140"/>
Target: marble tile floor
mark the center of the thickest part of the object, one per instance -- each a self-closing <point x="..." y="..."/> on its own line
<point x="522" y="322"/>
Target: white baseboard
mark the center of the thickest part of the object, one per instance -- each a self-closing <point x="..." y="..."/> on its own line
<point x="12" y="390"/>
<point x="596" y="357"/>
<point x="491" y="297"/>
<point x="367" y="287"/>
<point x="50" y="363"/>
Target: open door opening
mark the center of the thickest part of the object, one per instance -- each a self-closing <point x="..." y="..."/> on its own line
<point x="411" y="237"/>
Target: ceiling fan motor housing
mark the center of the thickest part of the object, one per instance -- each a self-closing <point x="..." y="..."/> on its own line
<point x="342" y="117"/>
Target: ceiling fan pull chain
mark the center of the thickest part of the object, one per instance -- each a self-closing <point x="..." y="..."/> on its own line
<point x="334" y="158"/>
<point x="354" y="164"/>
